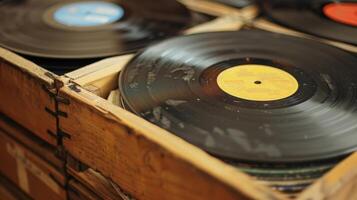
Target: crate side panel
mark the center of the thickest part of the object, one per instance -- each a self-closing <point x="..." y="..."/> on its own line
<point x="9" y="191"/>
<point x="29" y="140"/>
<point x="24" y="100"/>
<point x="34" y="176"/>
<point x="339" y="183"/>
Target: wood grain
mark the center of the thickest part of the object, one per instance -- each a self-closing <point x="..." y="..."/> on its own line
<point x="77" y="191"/>
<point x="9" y="191"/>
<point x="100" y="77"/>
<point x="339" y="183"/>
<point x="37" y="178"/>
<point x="215" y="8"/>
<point x="93" y="181"/>
<point x="29" y="140"/>
<point x="22" y="95"/>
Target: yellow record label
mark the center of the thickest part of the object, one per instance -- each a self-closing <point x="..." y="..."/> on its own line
<point x="257" y="82"/>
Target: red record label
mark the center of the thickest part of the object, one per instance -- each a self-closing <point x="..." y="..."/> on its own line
<point x="345" y="13"/>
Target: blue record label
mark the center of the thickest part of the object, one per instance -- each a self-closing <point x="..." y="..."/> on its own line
<point x="90" y="13"/>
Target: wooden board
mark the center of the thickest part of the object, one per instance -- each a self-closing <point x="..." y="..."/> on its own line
<point x="215" y="8"/>
<point x="339" y="183"/>
<point x="30" y="141"/>
<point x="6" y="194"/>
<point x="9" y="191"/>
<point x="90" y="184"/>
<point x="35" y="176"/>
<point x="23" y="95"/>
<point x="77" y="191"/>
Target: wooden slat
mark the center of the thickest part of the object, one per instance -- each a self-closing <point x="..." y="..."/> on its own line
<point x="231" y="22"/>
<point x="26" y="138"/>
<point x="145" y="160"/>
<point x="85" y="74"/>
<point x="93" y="181"/>
<point x="37" y="178"/>
<point x="114" y="97"/>
<point x="9" y="191"/>
<point x="339" y="183"/>
<point x="6" y="194"/>
<point x="215" y="8"/>
<point x="77" y="191"/>
<point x="99" y="77"/>
<point x="22" y="95"/>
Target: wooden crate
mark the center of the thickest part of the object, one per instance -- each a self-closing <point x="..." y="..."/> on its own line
<point x="144" y="160"/>
<point x="133" y="151"/>
<point x="30" y="163"/>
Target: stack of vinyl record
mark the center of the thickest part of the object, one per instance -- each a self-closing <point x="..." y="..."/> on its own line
<point x="278" y="107"/>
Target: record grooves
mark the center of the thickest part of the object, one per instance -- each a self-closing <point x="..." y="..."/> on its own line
<point x="87" y="29"/>
<point x="178" y="83"/>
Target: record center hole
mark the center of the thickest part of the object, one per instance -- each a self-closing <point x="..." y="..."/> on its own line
<point x="258" y="82"/>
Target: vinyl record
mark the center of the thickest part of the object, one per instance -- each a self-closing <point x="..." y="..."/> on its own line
<point x="236" y="3"/>
<point x="331" y="19"/>
<point x="87" y="29"/>
<point x="248" y="95"/>
<point x="292" y="172"/>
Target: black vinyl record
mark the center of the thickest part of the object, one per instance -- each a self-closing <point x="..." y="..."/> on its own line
<point x="87" y="29"/>
<point x="236" y="3"/>
<point x="310" y="16"/>
<point x="248" y="95"/>
<point x="288" y="178"/>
